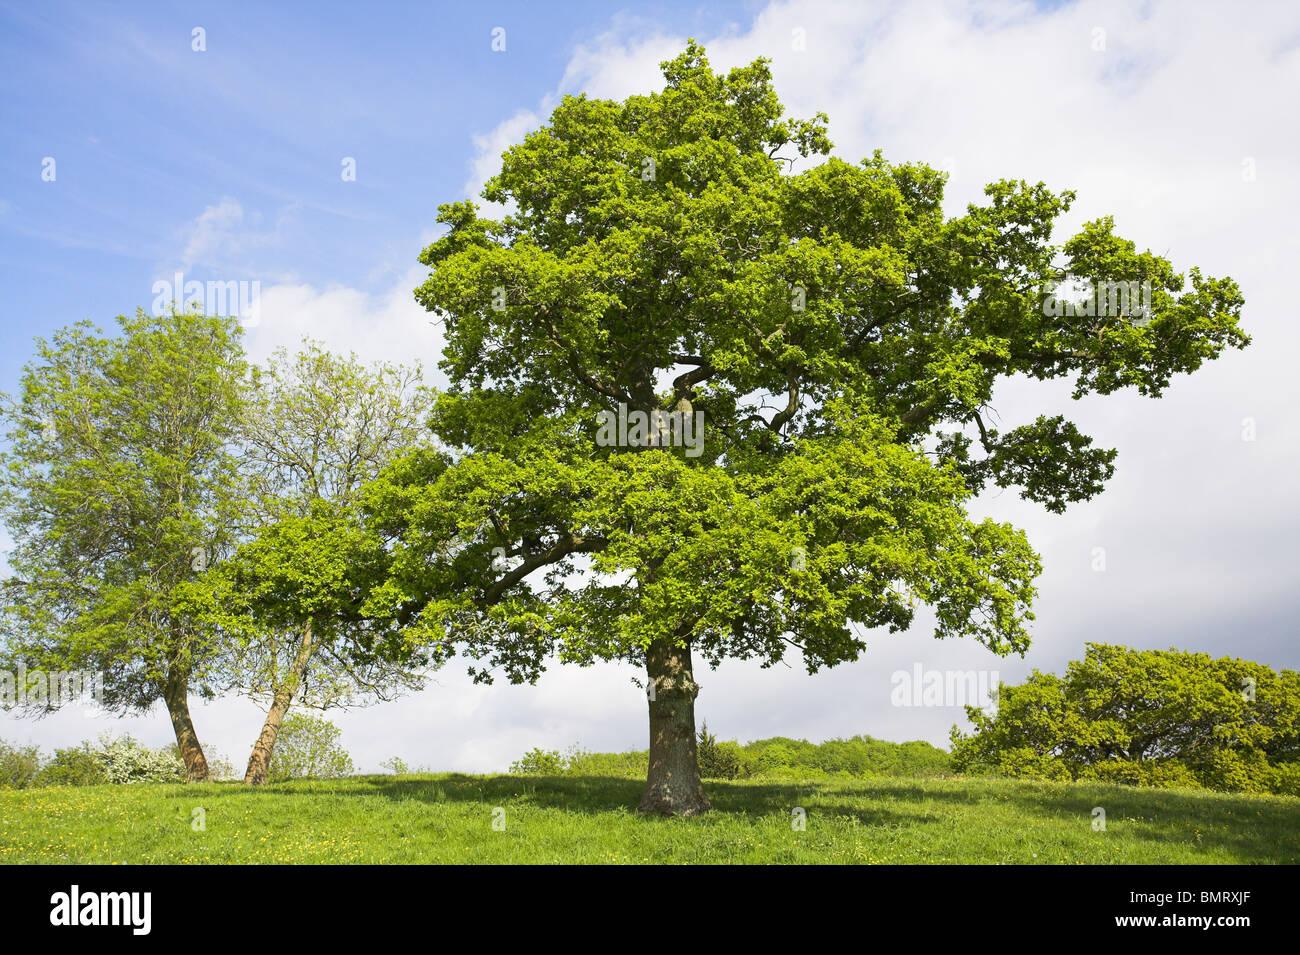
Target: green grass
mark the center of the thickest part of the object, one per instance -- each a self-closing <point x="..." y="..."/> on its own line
<point x="448" y="818"/>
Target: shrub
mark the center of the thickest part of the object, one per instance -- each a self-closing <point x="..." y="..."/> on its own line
<point x="73" y="766"/>
<point x="1145" y="717"/>
<point x="1286" y="779"/>
<point x="219" y="766"/>
<point x="307" y="748"/>
<point x="125" y="760"/>
<point x="1160" y="773"/>
<point x="1231" y="771"/>
<point x="19" y="765"/>
<point x="632" y="765"/>
<point x="540" y="762"/>
<point x="855" y="757"/>
<point x="400" y="767"/>
<point x="1026" y="762"/>
<point x="776" y="758"/>
<point x="717" y="760"/>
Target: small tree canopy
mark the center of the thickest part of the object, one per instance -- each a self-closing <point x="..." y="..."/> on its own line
<point x="119" y="489"/>
<point x="1223" y="720"/>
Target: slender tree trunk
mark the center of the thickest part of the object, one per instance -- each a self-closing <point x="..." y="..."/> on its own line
<point x="176" y="694"/>
<point x="673" y="785"/>
<point x="259" y="763"/>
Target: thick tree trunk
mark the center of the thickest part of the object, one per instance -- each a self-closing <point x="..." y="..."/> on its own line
<point x="176" y="694"/>
<point x="673" y="785"/>
<point x="259" y="763"/>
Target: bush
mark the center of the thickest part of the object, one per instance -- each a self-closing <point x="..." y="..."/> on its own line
<point x="307" y="748"/>
<point x="1143" y="717"/>
<point x="717" y="760"/>
<point x="1286" y="779"/>
<point x="776" y="758"/>
<point x="125" y="760"/>
<point x="400" y="767"/>
<point x="1231" y="771"/>
<point x="632" y="765"/>
<point x="223" y="768"/>
<point x="108" y="760"/>
<point x="19" y="765"/>
<point x="1160" y="773"/>
<point x="540" y="762"/>
<point x="856" y="757"/>
<point x="219" y="766"/>
<point x="1024" y="762"/>
<point x="73" y="766"/>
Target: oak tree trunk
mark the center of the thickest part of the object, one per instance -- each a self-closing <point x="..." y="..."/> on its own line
<point x="259" y="763"/>
<point x="673" y="786"/>
<point x="176" y="694"/>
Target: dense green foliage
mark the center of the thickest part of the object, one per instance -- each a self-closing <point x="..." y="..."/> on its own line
<point x="19" y="765"/>
<point x="717" y="760"/>
<point x="836" y="334"/>
<point x="904" y="322"/>
<point x="74" y="766"/>
<point x="308" y="748"/>
<point x="111" y="759"/>
<point x="775" y="758"/>
<point x="120" y="488"/>
<point x="1148" y="717"/>
<point x="859" y="756"/>
<point x="318" y="428"/>
<point x="449" y="819"/>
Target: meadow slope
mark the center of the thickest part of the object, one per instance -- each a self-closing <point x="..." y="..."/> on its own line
<point x="446" y="818"/>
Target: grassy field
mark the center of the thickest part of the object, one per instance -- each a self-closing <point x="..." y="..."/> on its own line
<point x="449" y="818"/>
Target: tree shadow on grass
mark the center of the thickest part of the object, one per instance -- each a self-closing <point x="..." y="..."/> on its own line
<point x="1258" y="829"/>
<point x="589" y="795"/>
<point x="1269" y="829"/>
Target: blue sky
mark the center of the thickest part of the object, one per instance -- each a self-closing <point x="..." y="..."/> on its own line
<point x="147" y="133"/>
<point x="1173" y="116"/>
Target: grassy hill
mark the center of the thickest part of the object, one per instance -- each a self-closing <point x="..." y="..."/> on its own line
<point x="449" y="818"/>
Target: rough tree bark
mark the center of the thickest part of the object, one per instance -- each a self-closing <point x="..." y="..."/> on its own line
<point x="259" y="763"/>
<point x="673" y="786"/>
<point x="176" y="693"/>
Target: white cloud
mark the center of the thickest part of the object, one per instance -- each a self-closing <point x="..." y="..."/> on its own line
<point x="223" y="234"/>
<point x="389" y="326"/>
<point x="489" y="147"/>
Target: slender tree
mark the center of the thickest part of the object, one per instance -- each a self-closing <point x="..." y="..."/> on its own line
<point x="706" y="406"/>
<point x="118" y="490"/>
<point x="288" y="603"/>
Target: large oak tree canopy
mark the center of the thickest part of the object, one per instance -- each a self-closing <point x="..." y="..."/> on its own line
<point x="842" y="338"/>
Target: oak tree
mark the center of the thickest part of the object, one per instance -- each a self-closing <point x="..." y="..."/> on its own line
<point x="798" y="363"/>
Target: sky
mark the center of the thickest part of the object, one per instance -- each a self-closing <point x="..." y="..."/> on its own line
<point x="230" y="161"/>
